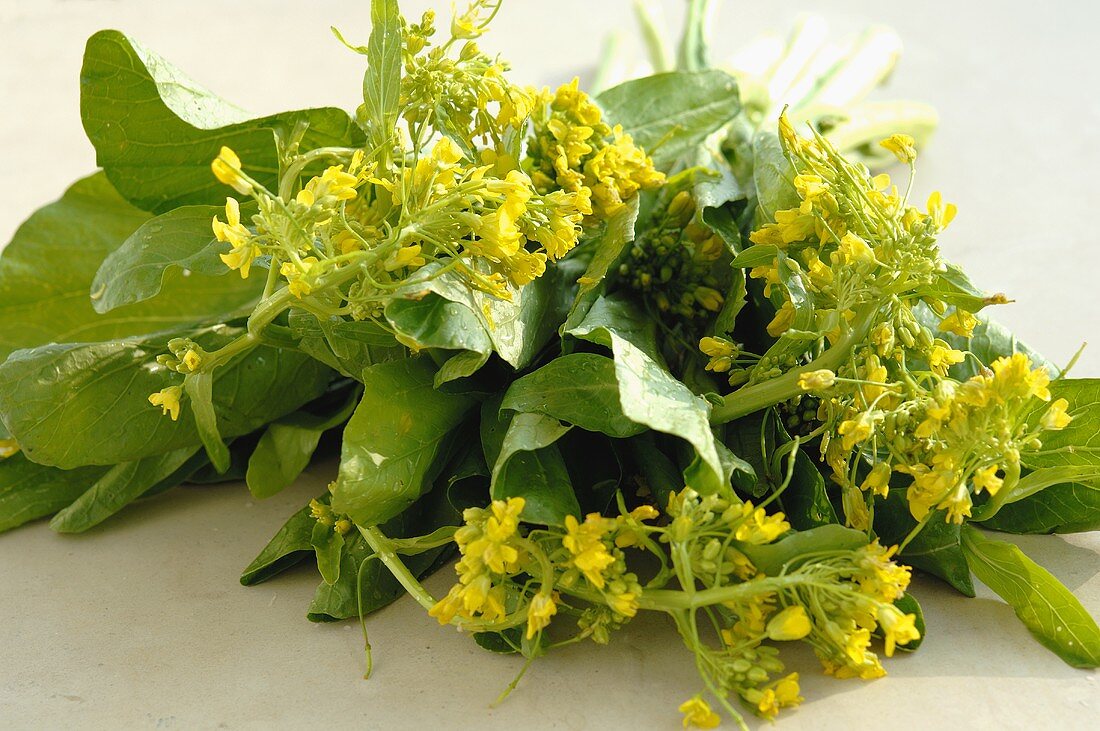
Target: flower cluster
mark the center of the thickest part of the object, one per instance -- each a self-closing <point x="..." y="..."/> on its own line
<point x="492" y="552"/>
<point x="704" y="576"/>
<point x="857" y="280"/>
<point x="445" y="190"/>
<point x="574" y="150"/>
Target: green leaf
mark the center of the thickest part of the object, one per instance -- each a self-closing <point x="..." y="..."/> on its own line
<point x="286" y="446"/>
<point x="954" y="287"/>
<point x="29" y="491"/>
<point x="1047" y="608"/>
<point x="329" y="548"/>
<point x="935" y="550"/>
<point x="519" y="327"/>
<point x="648" y="393"/>
<point x="87" y="403"/>
<point x="579" y="388"/>
<point x="156" y="131"/>
<point x="46" y="275"/>
<point x="669" y="114"/>
<point x="757" y="255"/>
<point x="120" y="486"/>
<point x="1069" y="507"/>
<point x="382" y="81"/>
<point x="378" y="587"/>
<point x="692" y="53"/>
<point x="199" y="388"/>
<point x="291" y="544"/>
<point x="772" y="175"/>
<point x="784" y="554"/>
<point x="531" y="466"/>
<point x="178" y="241"/>
<point x="607" y="248"/>
<point x="393" y="439"/>
<point x="345" y="345"/>
<point x="435" y="322"/>
<point x="1079" y="443"/>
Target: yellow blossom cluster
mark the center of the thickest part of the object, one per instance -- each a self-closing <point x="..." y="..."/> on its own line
<point x="572" y="149"/>
<point x="490" y="552"/>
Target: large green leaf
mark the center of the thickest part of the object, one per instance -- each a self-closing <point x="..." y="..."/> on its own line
<point x="1079" y="443"/>
<point x="436" y="322"/>
<point x="29" y="491"/>
<point x="530" y="465"/>
<point x="772" y="175"/>
<point x="579" y="388"/>
<point x="382" y="81"/>
<point x="287" y="547"/>
<point x="178" y="241"/>
<point x="393" y="440"/>
<point x="1049" y="610"/>
<point x="648" y="393"/>
<point x="46" y="275"/>
<point x="120" y="486"/>
<point x="87" y="403"/>
<point x="1069" y="507"/>
<point x="345" y="345"/>
<point x="287" y="445"/>
<point x="669" y="114"/>
<point x="156" y="131"/>
<point x="518" y="327"/>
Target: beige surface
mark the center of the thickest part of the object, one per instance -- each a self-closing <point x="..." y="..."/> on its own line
<point x="142" y="624"/>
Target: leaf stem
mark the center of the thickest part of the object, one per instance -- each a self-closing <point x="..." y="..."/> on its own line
<point x="750" y="399"/>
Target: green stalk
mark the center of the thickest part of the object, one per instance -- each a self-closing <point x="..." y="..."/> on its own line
<point x="751" y="399"/>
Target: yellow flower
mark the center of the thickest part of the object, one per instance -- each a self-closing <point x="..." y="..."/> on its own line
<point x="940" y="214"/>
<point x="539" y="612"/>
<point x="959" y="322"/>
<point x="1056" y="416"/>
<point x="942" y="356"/>
<point x="854" y="250"/>
<point x="787" y="691"/>
<point x="986" y="479"/>
<point x="1014" y="378"/>
<point x="333" y="185"/>
<point x="709" y="298"/>
<point x="858" y="429"/>
<point x="878" y="480"/>
<point x="406" y="256"/>
<point x="295" y="276"/>
<point x="8" y="447"/>
<point x="902" y="145"/>
<point x="790" y="624"/>
<point x="525" y="267"/>
<point x="585" y="542"/>
<point x="899" y="628"/>
<point x="168" y="399"/>
<point x="781" y="323"/>
<point x="697" y="712"/>
<point x="794" y="225"/>
<point x="499" y="238"/>
<point x="756" y="526"/>
<point x="233" y="232"/>
<point x="957" y="504"/>
<point x="818" y="380"/>
<point x="191" y="360"/>
<point x="227" y="169"/>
